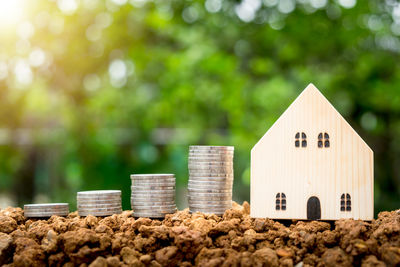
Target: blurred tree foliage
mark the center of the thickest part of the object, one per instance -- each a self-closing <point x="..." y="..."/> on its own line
<point x="92" y="91"/>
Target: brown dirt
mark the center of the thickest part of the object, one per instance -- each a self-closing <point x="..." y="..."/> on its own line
<point x="196" y="239"/>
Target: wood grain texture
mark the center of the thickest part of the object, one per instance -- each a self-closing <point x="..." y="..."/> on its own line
<point x="278" y="166"/>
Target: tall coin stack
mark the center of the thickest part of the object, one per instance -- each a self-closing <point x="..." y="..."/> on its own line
<point x="99" y="203"/>
<point x="210" y="178"/>
<point x="153" y="195"/>
<point x="46" y="210"/>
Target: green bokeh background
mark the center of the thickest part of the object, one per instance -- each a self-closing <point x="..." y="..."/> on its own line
<point x="92" y="91"/>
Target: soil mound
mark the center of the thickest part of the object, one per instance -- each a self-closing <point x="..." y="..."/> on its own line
<point x="186" y="239"/>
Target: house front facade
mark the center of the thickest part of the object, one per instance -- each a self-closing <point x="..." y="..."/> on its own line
<point x="311" y="164"/>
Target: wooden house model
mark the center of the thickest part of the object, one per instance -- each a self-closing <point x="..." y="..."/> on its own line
<point x="311" y="164"/>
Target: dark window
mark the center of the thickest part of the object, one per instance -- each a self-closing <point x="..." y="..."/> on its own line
<point x="345" y="202"/>
<point x="280" y="203"/>
<point x="323" y="140"/>
<point x="302" y="140"/>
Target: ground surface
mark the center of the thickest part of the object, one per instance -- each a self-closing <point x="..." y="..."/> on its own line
<point x="195" y="239"/>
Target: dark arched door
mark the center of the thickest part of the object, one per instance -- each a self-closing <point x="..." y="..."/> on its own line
<point x="313" y="209"/>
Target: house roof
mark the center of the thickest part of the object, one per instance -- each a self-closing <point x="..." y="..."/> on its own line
<point x="310" y="92"/>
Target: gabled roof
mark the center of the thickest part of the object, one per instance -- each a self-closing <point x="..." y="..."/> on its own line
<point x="310" y="92"/>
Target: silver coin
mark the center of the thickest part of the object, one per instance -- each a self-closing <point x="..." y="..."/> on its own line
<point x="216" y="196"/>
<point x="98" y="196"/>
<point x="222" y="158"/>
<point x="99" y="202"/>
<point x="46" y="205"/>
<point x="206" y="188"/>
<point x="148" y="208"/>
<point x="210" y="182"/>
<point x="193" y="174"/>
<point x="153" y="203"/>
<point x="104" y="199"/>
<point x="147" y="196"/>
<point x="84" y="205"/>
<point x="194" y="165"/>
<point x="165" y="211"/>
<point x="47" y="210"/>
<point x="155" y="208"/>
<point x="154" y="211"/>
<point x="101" y="208"/>
<point x="154" y="192"/>
<point x="98" y="210"/>
<point x="160" y="210"/>
<point x="228" y="198"/>
<point x="210" y="157"/>
<point x="221" y="168"/>
<point x="151" y="187"/>
<point x="210" y="206"/>
<point x="153" y="181"/>
<point x="151" y="176"/>
<point x="194" y="190"/>
<point x="99" y="192"/>
<point x="208" y="152"/>
<point x="159" y="183"/>
<point x="152" y="196"/>
<point x="205" y="147"/>
<point x="98" y="213"/>
<point x="194" y="183"/>
<point x="208" y="210"/>
<point x="211" y="172"/>
<point x="203" y="203"/>
<point x="211" y="179"/>
<point x="149" y="212"/>
<point x="202" y="173"/>
<point x="211" y="151"/>
<point x="135" y="206"/>
<point x="210" y="163"/>
<point x="210" y="169"/>
<point x="221" y="186"/>
<point x="209" y="202"/>
<point x="101" y="213"/>
<point x="44" y="215"/>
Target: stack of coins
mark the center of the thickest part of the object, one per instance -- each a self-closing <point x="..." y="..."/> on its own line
<point x="153" y="195"/>
<point x="99" y="203"/>
<point x="210" y="178"/>
<point x="46" y="210"/>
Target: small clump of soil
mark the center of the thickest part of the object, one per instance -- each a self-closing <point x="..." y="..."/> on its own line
<point x="184" y="239"/>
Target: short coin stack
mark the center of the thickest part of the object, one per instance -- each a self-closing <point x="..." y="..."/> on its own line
<point x="46" y="210"/>
<point x="210" y="178"/>
<point x="153" y="195"/>
<point x="99" y="203"/>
